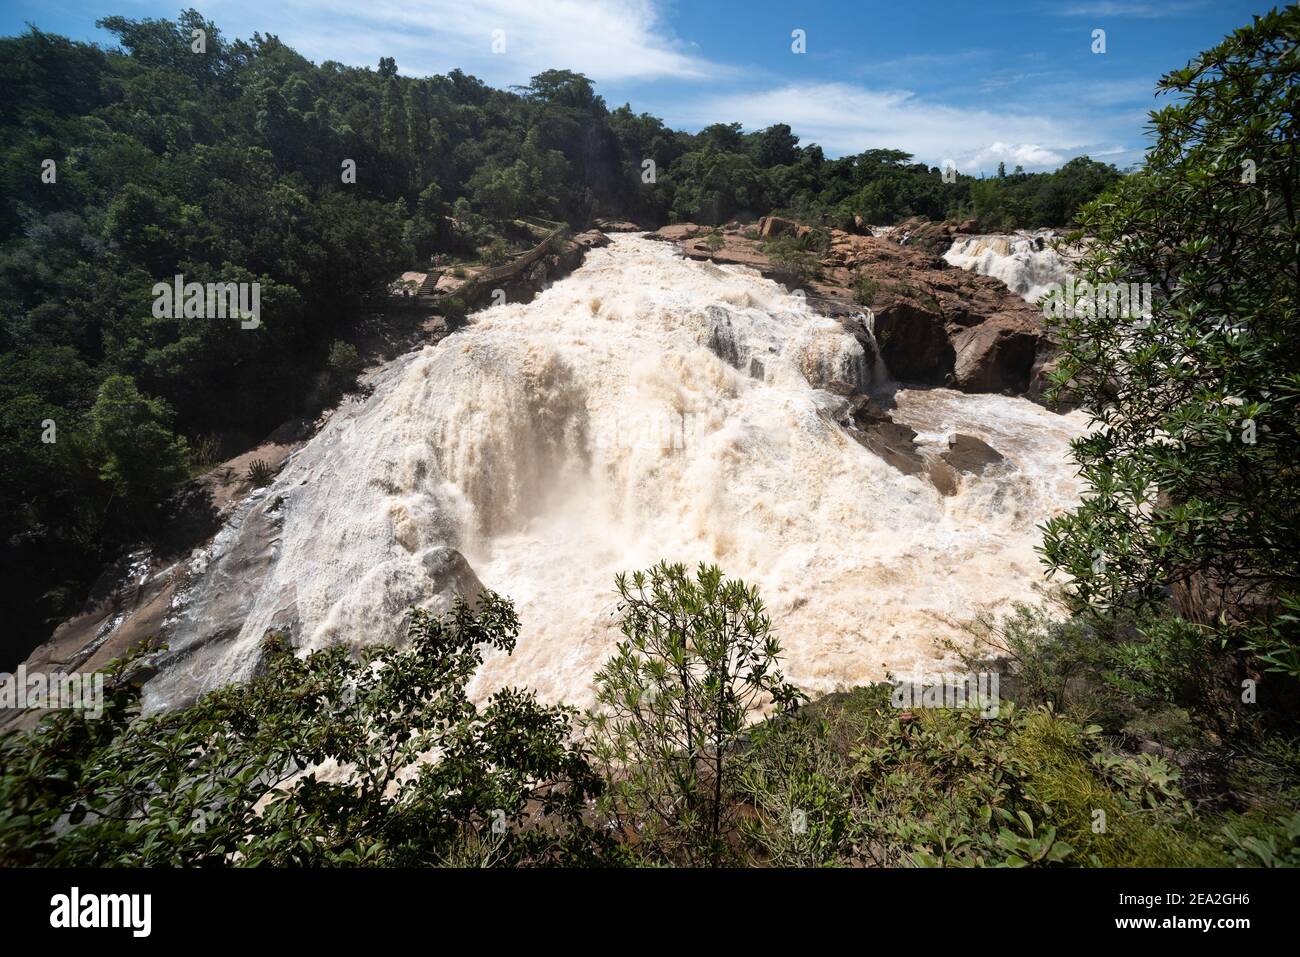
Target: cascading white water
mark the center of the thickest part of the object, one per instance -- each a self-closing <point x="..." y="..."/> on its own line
<point x="646" y="407"/>
<point x="1024" y="261"/>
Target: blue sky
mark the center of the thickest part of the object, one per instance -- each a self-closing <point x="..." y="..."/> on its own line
<point x="974" y="83"/>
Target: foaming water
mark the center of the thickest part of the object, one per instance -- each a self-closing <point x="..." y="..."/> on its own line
<point x="1025" y="261"/>
<point x="646" y="407"/>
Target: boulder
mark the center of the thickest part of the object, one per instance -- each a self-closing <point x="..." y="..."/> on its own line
<point x="448" y="284"/>
<point x="592" y="239"/>
<point x="678" y="232"/>
<point x="769" y="227"/>
<point x="966" y="453"/>
<point x="944" y="477"/>
<point x="616" y="226"/>
<point x="997" y="355"/>
<point x="921" y="233"/>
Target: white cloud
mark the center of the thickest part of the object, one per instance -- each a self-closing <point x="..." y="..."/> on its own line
<point x="1028" y="155"/>
<point x="844" y="118"/>
<point x="608" y="40"/>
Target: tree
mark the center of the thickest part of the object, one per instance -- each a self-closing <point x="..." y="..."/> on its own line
<point x="712" y="186"/>
<point x="1191" y="472"/>
<point x="697" y="664"/>
<point x="776" y="146"/>
<point x="234" y="779"/>
<point x="141" y="457"/>
<point x="502" y="193"/>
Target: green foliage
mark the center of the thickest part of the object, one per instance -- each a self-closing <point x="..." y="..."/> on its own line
<point x="793" y="255"/>
<point x="864" y="290"/>
<point x="343" y="364"/>
<point x="952" y="788"/>
<point x="1275" y="846"/>
<point x="320" y="761"/>
<point x="383" y="760"/>
<point x="1190" y="468"/>
<point x="495" y="253"/>
<point x="697" y="662"/>
<point x="260" y="473"/>
<point x="141" y="457"/>
<point x="713" y="186"/>
<point x="1022" y="199"/>
<point x="1049" y="656"/>
<point x="801" y="789"/>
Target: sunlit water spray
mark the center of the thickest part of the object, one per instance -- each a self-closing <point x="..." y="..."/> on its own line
<point x="1024" y="261"/>
<point x="646" y="407"/>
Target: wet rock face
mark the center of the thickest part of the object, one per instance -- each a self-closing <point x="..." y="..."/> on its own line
<point x="914" y="341"/>
<point x="679" y="231"/>
<point x="966" y="453"/>
<point x="895" y="442"/>
<point x="997" y="355"/>
<point x="922" y="234"/>
<point x="877" y="430"/>
<point x="941" y="326"/>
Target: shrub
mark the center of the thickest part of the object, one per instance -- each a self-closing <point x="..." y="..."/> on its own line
<point x="235" y="779"/>
<point x="141" y="459"/>
<point x="343" y="365"/>
<point x="791" y="256"/>
<point x="697" y="662"/>
<point x="800" y="787"/>
<point x="864" y="290"/>
<point x="495" y="253"/>
<point x="260" y="473"/>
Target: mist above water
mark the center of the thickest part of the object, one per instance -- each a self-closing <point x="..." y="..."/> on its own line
<point x="646" y="407"/>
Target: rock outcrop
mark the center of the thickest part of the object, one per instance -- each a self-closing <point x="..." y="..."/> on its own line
<point x="523" y="277"/>
<point x="893" y="442"/>
<point x="615" y="226"/>
<point x="769" y="227"/>
<point x="896" y="443"/>
<point x="935" y="324"/>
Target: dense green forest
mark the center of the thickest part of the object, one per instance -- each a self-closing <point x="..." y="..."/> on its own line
<point x="128" y="166"/>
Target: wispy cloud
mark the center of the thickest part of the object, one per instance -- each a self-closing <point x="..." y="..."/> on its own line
<point x="1119" y="8"/>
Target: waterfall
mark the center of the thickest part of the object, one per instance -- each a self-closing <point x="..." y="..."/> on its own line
<point x="646" y="407"/>
<point x="1025" y="261"/>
